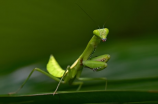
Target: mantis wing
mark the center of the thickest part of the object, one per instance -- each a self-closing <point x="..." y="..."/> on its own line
<point x="53" y="67"/>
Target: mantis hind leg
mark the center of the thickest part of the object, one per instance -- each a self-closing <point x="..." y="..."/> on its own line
<point x="39" y="70"/>
<point x="89" y="79"/>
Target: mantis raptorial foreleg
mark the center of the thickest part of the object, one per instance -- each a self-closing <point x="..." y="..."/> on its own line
<point x="97" y="63"/>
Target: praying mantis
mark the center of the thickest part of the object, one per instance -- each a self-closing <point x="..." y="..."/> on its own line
<point x="74" y="71"/>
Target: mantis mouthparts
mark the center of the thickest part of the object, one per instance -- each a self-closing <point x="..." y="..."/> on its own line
<point x="103" y="40"/>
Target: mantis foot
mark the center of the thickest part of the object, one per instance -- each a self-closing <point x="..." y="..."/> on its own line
<point x="54" y="93"/>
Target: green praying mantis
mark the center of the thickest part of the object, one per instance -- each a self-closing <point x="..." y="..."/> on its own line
<point x="74" y="71"/>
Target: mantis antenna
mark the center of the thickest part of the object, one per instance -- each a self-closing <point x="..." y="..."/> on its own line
<point x="112" y="12"/>
<point x="88" y="15"/>
<point x="92" y="20"/>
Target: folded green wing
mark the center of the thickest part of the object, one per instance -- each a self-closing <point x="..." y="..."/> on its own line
<point x="53" y="67"/>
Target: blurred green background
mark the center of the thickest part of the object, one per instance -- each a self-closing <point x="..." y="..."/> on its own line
<point x="31" y="30"/>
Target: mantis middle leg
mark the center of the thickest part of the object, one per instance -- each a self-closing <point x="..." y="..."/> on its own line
<point x="88" y="79"/>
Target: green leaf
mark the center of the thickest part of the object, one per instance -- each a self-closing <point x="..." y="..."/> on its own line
<point x="83" y="97"/>
<point x="131" y="75"/>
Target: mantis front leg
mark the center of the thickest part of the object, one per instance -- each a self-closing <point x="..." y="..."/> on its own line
<point x="96" y="64"/>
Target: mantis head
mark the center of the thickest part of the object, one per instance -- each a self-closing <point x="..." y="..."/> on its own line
<point x="101" y="33"/>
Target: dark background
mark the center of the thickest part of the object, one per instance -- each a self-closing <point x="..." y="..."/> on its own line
<point x="31" y="30"/>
